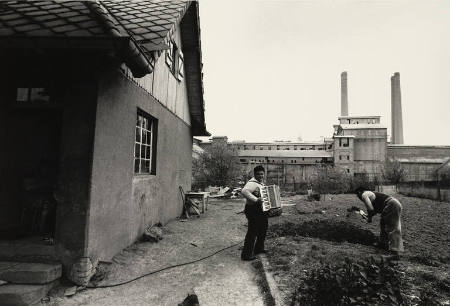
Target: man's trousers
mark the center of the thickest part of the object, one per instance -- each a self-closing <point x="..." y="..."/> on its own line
<point x="256" y="231"/>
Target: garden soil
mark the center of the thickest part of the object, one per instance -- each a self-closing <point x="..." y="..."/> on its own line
<point x="317" y="242"/>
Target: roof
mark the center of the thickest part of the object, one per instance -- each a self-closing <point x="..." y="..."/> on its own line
<point x="343" y="136"/>
<point x="445" y="163"/>
<point x="276" y="143"/>
<point x="361" y="126"/>
<point x="358" y="117"/>
<point x="285" y="153"/>
<point x="420" y="160"/>
<point x="403" y="146"/>
<point x="132" y="29"/>
<point x="141" y="26"/>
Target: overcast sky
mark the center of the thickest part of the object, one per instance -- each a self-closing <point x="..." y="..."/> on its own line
<point x="272" y="68"/>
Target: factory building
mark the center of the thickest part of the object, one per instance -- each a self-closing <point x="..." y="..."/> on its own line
<point x="359" y="146"/>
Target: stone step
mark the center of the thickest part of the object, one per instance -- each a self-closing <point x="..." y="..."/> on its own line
<point x="13" y="294"/>
<point x="29" y="273"/>
<point x="28" y="249"/>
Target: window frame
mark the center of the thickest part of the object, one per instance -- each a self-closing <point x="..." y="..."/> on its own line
<point x="147" y="126"/>
<point x="175" y="60"/>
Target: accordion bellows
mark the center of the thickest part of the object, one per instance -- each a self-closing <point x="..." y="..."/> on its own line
<point x="271" y="197"/>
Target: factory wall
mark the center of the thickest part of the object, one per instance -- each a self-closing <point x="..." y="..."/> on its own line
<point x="428" y="152"/>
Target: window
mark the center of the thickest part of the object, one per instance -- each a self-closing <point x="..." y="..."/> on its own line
<point x="348" y="157"/>
<point x="175" y="61"/>
<point x="344" y="142"/>
<point x="145" y="144"/>
<point x="34" y="97"/>
<point x="348" y="170"/>
<point x="243" y="160"/>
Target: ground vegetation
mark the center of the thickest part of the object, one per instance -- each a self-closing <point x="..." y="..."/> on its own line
<point x="320" y="254"/>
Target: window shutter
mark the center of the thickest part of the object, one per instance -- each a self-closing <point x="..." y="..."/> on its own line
<point x="169" y="55"/>
<point x="180" y="75"/>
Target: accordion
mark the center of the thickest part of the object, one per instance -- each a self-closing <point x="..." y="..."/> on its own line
<point x="271" y="197"/>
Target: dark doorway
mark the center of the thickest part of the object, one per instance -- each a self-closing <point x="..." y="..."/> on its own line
<point x="30" y="172"/>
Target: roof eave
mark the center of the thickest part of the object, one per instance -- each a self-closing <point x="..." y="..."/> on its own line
<point x="191" y="44"/>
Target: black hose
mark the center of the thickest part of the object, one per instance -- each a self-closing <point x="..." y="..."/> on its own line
<point x="163" y="269"/>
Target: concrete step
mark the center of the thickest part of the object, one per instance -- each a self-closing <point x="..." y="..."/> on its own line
<point x="28" y="249"/>
<point x="29" y="273"/>
<point x="13" y="294"/>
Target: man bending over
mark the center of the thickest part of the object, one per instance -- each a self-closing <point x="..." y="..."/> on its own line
<point x="390" y="220"/>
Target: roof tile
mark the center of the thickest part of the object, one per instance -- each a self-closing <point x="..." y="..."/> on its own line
<point x="59" y="10"/>
<point x="55" y="23"/>
<point x="68" y="14"/>
<point x="78" y="18"/>
<point x="41" y="32"/>
<point x="6" y="31"/>
<point x="50" y="6"/>
<point x="81" y="33"/>
<point x="36" y="13"/>
<point x="44" y="18"/>
<point x="16" y="22"/>
<point x="65" y="28"/>
<point x="10" y="16"/>
<point x="27" y="27"/>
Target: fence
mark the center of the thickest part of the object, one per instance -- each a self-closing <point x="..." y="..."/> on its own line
<point x="428" y="190"/>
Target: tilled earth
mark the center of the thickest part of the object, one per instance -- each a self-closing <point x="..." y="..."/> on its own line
<point x="317" y="243"/>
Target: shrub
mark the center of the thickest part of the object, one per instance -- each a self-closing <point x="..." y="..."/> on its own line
<point x="393" y="172"/>
<point x="217" y="166"/>
<point x="331" y="180"/>
<point x="369" y="282"/>
<point x="363" y="180"/>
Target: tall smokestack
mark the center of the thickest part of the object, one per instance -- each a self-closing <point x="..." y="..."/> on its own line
<point x="396" y="110"/>
<point x="344" y="96"/>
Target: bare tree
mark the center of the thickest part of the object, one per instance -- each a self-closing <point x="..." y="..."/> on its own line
<point x="217" y="166"/>
<point x="393" y="171"/>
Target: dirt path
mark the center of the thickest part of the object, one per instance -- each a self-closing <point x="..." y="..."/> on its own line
<point x="222" y="279"/>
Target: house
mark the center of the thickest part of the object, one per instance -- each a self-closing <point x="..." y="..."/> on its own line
<point x="99" y="102"/>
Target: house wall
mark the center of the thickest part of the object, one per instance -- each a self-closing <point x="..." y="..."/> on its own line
<point x="164" y="87"/>
<point x="61" y="134"/>
<point x="77" y="134"/>
<point x="124" y="204"/>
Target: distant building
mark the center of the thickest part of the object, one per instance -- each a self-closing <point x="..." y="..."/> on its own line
<point x="359" y="146"/>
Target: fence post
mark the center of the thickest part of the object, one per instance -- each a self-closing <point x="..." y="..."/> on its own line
<point x="438" y="185"/>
